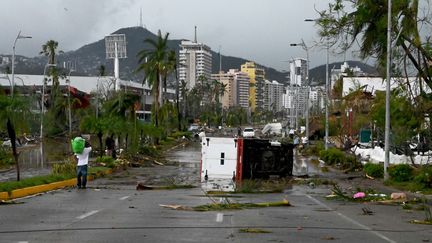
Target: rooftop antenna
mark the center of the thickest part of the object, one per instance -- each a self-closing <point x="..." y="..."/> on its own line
<point x="141" y="22"/>
<point x="195" y="34"/>
<point x="220" y="60"/>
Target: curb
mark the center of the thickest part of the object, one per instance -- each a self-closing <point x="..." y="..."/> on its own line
<point x="23" y="192"/>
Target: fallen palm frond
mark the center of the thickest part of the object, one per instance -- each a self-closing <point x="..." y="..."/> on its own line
<point x="254" y="230"/>
<point x="227" y="206"/>
<point x="368" y="196"/>
<point x="415" y="221"/>
<point x="238" y="206"/>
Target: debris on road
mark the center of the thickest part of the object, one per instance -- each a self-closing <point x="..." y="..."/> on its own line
<point x="254" y="230"/>
<point x="176" y="207"/>
<point x="367" y="211"/>
<point x="398" y="196"/>
<point x="142" y="187"/>
<point x="227" y="206"/>
<point x="359" y="195"/>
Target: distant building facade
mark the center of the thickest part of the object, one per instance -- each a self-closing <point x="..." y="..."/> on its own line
<point x="298" y="72"/>
<point x="237" y="88"/>
<point x="256" y="88"/>
<point x="273" y="92"/>
<point x="195" y="61"/>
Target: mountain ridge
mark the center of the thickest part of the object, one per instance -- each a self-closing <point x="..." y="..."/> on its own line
<point x="89" y="57"/>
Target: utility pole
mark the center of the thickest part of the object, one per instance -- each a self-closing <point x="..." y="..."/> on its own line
<point x="387" y="106"/>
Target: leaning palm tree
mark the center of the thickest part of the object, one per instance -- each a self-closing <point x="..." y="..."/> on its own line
<point x="153" y="63"/>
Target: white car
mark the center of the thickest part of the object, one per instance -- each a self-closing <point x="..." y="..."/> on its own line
<point x="248" y="132"/>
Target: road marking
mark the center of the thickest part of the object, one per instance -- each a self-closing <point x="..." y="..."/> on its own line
<point x="87" y="214"/>
<point x="219" y="217"/>
<point x="124" y="198"/>
<point x="352" y="220"/>
<point x="22" y="242"/>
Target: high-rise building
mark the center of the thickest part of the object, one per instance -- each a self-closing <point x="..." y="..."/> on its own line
<point x="195" y="61"/>
<point x="236" y="88"/>
<point x="298" y="71"/>
<point x="256" y="88"/>
<point x="294" y="100"/>
<point x="273" y="92"/>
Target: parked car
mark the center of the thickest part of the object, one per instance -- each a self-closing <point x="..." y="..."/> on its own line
<point x="248" y="132"/>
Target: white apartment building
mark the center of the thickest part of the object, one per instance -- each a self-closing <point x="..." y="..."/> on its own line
<point x="298" y="72"/>
<point x="317" y="99"/>
<point x="344" y="71"/>
<point x="294" y="101"/>
<point x="237" y="88"/>
<point x="273" y="92"/>
<point x="195" y="60"/>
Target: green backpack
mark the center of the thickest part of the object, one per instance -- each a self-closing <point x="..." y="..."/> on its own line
<point x="78" y="145"/>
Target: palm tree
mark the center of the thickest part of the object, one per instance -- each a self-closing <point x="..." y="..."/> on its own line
<point x="49" y="49"/>
<point x="368" y="21"/>
<point x="153" y="63"/>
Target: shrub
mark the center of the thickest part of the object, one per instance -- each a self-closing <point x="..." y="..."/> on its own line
<point x="332" y="156"/>
<point x="5" y="157"/>
<point x="424" y="177"/>
<point x="65" y="168"/>
<point x="148" y="150"/>
<point x="374" y="170"/>
<point x="400" y="173"/>
<point x="107" y="161"/>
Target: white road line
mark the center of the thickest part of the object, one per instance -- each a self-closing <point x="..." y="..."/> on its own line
<point x="22" y="242"/>
<point x="87" y="214"/>
<point x="219" y="217"/>
<point x="124" y="198"/>
<point x="352" y="220"/>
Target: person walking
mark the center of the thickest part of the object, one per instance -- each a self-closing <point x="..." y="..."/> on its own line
<point x="110" y="146"/>
<point x="82" y="166"/>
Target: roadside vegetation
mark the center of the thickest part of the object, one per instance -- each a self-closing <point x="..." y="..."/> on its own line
<point x="60" y="172"/>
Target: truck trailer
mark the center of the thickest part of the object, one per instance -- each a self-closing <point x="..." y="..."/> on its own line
<point x="237" y="159"/>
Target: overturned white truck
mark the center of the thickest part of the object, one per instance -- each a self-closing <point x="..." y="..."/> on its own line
<point x="244" y="158"/>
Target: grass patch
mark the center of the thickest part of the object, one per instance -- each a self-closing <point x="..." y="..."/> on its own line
<point x="9" y="186"/>
<point x="238" y="206"/>
<point x="315" y="182"/>
<point x="262" y="186"/>
<point x="254" y="230"/>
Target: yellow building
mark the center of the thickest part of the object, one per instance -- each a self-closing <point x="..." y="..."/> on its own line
<point x="256" y="84"/>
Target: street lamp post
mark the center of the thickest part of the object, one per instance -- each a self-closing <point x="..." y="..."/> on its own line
<point x="305" y="47"/>
<point x="42" y="99"/>
<point x="19" y="36"/>
<point x="69" y="106"/>
<point x="327" y="98"/>
<point x="326" y="90"/>
<point x="387" y="106"/>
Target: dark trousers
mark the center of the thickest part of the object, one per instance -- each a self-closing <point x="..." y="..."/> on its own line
<point x="82" y="176"/>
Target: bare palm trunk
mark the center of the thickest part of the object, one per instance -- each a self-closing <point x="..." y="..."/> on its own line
<point x="12" y="136"/>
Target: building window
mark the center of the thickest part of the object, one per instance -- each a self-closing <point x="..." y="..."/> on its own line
<point x="222" y="161"/>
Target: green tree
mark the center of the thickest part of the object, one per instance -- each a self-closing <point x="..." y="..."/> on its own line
<point x="406" y="119"/>
<point x="367" y="20"/>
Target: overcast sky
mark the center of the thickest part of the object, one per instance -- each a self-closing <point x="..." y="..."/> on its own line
<point x="259" y="30"/>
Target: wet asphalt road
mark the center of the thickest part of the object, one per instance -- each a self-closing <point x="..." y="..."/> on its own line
<point x="111" y="210"/>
